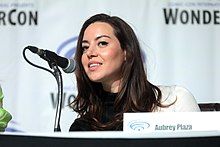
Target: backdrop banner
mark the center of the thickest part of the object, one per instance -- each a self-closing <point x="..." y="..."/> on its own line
<point x="179" y="40"/>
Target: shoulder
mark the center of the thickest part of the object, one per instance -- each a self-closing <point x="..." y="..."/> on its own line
<point x="80" y="125"/>
<point x="180" y="98"/>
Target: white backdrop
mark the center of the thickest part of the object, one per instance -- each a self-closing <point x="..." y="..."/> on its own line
<point x="179" y="39"/>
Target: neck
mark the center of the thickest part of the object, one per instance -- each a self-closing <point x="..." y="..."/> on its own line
<point x="112" y="87"/>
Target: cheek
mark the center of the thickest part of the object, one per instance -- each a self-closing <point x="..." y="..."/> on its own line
<point x="113" y="52"/>
<point x="117" y="56"/>
<point x="84" y="61"/>
<point x="115" y="60"/>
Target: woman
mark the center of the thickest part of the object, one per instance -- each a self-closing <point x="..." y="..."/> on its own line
<point x="111" y="78"/>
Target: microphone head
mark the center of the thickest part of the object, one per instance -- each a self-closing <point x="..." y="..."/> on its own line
<point x="71" y="66"/>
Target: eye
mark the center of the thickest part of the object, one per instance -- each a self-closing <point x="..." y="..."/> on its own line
<point x="85" y="48"/>
<point x="102" y="43"/>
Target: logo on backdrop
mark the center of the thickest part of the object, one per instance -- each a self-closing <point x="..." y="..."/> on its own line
<point x="66" y="49"/>
<point x="138" y="125"/>
<point x="14" y="126"/>
<point x="194" y="13"/>
<point x="18" y="14"/>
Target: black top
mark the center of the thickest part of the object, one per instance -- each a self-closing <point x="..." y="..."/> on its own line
<point x="107" y="99"/>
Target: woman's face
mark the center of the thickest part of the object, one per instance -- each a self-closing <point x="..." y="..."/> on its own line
<point x="103" y="56"/>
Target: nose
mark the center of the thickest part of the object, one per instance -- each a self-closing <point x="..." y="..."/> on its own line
<point x="91" y="52"/>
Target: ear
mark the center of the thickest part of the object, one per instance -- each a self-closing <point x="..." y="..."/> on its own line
<point x="125" y="55"/>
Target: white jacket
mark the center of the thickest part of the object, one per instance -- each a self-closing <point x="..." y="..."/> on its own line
<point x="182" y="99"/>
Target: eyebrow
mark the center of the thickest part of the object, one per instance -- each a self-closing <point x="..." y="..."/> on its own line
<point x="98" y="37"/>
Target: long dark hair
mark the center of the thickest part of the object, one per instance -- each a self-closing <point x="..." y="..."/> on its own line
<point x="136" y="93"/>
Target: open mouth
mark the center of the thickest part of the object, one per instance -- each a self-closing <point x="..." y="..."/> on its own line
<point x="94" y="66"/>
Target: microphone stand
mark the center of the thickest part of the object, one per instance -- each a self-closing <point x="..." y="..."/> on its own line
<point x="57" y="74"/>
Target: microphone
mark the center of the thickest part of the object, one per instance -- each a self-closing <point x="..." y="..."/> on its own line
<point x="67" y="65"/>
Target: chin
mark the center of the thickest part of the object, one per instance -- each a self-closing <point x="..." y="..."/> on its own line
<point x="95" y="79"/>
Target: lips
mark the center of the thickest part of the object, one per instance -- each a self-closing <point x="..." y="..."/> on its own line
<point x="93" y="65"/>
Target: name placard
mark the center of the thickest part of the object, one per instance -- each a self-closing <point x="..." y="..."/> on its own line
<point x="171" y="121"/>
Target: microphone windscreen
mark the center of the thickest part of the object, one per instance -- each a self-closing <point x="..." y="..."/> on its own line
<point x="71" y="66"/>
